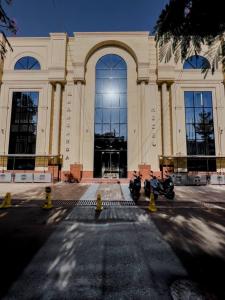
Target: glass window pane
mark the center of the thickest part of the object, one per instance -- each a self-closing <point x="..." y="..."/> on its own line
<point x="123" y="100"/>
<point x="123" y="116"/>
<point x="115" y="100"/>
<point x="191" y="147"/>
<point x="98" y="100"/>
<point x="211" y="147"/>
<point x="107" y="100"/>
<point x="98" y="115"/>
<point x="98" y="86"/>
<point x="199" y="116"/>
<point x="115" y="117"/>
<point x="115" y="129"/>
<point x="190" y="115"/>
<point x="207" y="98"/>
<point x="200" y="147"/>
<point x="123" y="131"/>
<point x="106" y="115"/>
<point x="198" y="99"/>
<point x="209" y="131"/>
<point x="119" y="74"/>
<point x="34" y="98"/>
<point x="189" y="99"/>
<point x="106" y="128"/>
<point x="98" y="128"/>
<point x="208" y="116"/>
<point x="190" y="131"/>
<point x="100" y="73"/>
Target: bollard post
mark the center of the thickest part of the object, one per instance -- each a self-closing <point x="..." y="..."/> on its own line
<point x="99" y="206"/>
<point x="7" y="202"/>
<point x="152" y="207"/>
<point x="48" y="198"/>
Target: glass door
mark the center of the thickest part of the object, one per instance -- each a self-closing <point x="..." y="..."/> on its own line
<point x="110" y="164"/>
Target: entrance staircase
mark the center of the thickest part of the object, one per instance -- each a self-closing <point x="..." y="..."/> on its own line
<point x="105" y="180"/>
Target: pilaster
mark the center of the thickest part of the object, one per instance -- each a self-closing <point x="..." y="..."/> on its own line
<point x="166" y="119"/>
<point x="56" y="119"/>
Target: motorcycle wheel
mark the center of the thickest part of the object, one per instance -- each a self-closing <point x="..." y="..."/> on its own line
<point x="170" y="196"/>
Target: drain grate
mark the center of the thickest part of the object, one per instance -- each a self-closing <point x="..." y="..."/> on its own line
<point x="72" y="203"/>
<point x="107" y="203"/>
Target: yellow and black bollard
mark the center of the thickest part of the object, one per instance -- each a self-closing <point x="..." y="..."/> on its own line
<point x="152" y="207"/>
<point x="99" y="206"/>
<point x="7" y="202"/>
<point x="48" y="198"/>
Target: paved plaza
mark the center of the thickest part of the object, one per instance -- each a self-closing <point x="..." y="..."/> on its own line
<point x="114" y="192"/>
<point x="124" y="252"/>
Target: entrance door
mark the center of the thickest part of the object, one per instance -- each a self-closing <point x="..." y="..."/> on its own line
<point x="110" y="164"/>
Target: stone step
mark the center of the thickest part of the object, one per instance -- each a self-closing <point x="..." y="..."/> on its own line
<point x="105" y="180"/>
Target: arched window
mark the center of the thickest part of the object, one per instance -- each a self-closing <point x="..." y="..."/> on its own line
<point x="196" y="62"/>
<point x="27" y="63"/>
<point x="110" y="157"/>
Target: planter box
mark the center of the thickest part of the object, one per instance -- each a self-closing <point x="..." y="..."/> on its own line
<point x="23" y="177"/>
<point x="5" y="177"/>
<point x="42" y="177"/>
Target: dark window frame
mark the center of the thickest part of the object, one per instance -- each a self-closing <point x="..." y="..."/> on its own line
<point x="23" y="128"/>
<point x="200" y="132"/>
<point x="196" y="62"/>
<point x="111" y="112"/>
<point x="28" y="63"/>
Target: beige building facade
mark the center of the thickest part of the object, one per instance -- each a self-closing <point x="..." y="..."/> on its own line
<point x="59" y="74"/>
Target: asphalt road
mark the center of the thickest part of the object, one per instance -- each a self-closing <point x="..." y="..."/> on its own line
<point x="90" y="258"/>
<point x="121" y="253"/>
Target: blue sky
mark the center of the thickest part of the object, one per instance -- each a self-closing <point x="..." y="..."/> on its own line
<point x="39" y="17"/>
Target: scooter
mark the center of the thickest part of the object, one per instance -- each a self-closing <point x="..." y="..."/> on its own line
<point x="135" y="188"/>
<point x="147" y="188"/>
<point x="165" y="187"/>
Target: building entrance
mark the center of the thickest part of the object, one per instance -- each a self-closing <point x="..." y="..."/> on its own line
<point x="110" y="164"/>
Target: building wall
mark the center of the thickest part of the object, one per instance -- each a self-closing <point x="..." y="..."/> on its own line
<point x="66" y="86"/>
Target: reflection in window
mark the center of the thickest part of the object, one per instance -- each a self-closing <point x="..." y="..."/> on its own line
<point x="23" y="129"/>
<point x="199" y="126"/>
<point x="196" y="62"/>
<point x="111" y="114"/>
<point x="27" y="63"/>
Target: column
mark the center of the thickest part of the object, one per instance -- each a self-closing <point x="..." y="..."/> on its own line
<point x="56" y="119"/>
<point x="166" y="121"/>
<point x="142" y="116"/>
<point x="4" y="126"/>
<point x="77" y="115"/>
<point x="78" y="123"/>
<point x="48" y="117"/>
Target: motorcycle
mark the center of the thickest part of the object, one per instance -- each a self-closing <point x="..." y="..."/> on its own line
<point x="167" y="188"/>
<point x="135" y="188"/>
<point x="164" y="187"/>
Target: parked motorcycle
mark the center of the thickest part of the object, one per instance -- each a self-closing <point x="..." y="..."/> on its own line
<point x="160" y="187"/>
<point x="167" y="188"/>
<point x="135" y="188"/>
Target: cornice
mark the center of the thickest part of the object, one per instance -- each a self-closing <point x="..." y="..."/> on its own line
<point x="111" y="33"/>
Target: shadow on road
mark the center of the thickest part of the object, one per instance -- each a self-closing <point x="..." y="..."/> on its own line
<point x="197" y="237"/>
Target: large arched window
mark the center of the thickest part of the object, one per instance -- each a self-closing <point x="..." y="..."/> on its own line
<point x="110" y="159"/>
<point x="196" y="62"/>
<point x="27" y="63"/>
